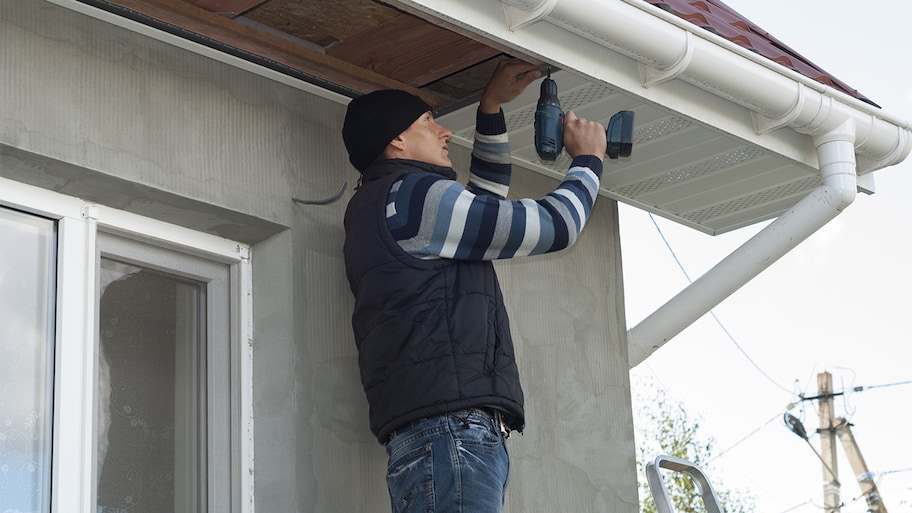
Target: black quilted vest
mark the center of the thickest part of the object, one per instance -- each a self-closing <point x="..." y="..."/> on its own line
<point x="432" y="335"/>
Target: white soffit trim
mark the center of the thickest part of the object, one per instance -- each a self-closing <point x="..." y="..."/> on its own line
<point x="629" y="43"/>
<point x="723" y="137"/>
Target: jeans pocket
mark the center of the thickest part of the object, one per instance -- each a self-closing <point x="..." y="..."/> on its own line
<point x="410" y="479"/>
<point x="477" y="430"/>
<point x="483" y="462"/>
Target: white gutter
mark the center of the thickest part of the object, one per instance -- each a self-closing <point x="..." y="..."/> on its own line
<point x="667" y="47"/>
<point x="851" y="137"/>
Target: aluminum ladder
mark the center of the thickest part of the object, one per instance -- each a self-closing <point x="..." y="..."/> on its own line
<point x="660" y="492"/>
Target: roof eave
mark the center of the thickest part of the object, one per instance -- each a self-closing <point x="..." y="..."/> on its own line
<point x="650" y="53"/>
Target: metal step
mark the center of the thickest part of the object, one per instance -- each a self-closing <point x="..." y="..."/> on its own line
<point x="660" y="492"/>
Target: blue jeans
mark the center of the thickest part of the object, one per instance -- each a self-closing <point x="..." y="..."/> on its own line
<point x="453" y="463"/>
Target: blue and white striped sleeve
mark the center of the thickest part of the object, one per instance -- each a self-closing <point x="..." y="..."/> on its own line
<point x="433" y="217"/>
<point x="490" y="167"/>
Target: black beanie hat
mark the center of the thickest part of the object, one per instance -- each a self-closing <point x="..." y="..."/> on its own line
<point x="375" y="119"/>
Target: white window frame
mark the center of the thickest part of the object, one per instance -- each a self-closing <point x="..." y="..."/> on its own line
<point x="79" y="222"/>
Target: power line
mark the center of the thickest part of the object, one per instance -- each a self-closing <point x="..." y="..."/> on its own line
<point x="853" y="389"/>
<point x="713" y="314"/>
<point x="797" y="506"/>
<point x="752" y="433"/>
<point x="897" y="471"/>
<point x="747" y="356"/>
<point x="668" y="245"/>
<point x="860" y="389"/>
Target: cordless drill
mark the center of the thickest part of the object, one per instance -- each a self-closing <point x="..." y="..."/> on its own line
<point x="549" y="126"/>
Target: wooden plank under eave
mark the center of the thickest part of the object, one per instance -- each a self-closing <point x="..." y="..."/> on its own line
<point x="322" y="22"/>
<point x="231" y="8"/>
<point x="411" y="50"/>
<point x="247" y="39"/>
<point x="440" y="22"/>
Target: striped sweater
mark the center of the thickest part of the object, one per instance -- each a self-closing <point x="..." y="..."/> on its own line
<point x="433" y="217"/>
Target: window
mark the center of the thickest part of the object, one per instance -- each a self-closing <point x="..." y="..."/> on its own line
<point x="124" y="385"/>
<point x="163" y="365"/>
<point x="27" y="276"/>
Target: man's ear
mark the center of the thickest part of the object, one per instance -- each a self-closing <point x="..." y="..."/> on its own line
<point x="394" y="149"/>
<point x="398" y="144"/>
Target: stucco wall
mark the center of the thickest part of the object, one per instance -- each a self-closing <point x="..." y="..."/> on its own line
<point x="99" y="112"/>
<point x="567" y="318"/>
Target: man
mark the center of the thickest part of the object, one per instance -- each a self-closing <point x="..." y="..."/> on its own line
<point x="435" y="351"/>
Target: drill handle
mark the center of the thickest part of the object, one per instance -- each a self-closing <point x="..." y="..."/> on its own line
<point x="549" y="131"/>
<point x="620" y="134"/>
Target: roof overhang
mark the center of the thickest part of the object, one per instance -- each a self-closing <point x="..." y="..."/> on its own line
<point x="724" y="138"/>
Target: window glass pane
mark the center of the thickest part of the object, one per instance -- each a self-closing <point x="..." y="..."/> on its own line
<point x="27" y="284"/>
<point x="150" y="445"/>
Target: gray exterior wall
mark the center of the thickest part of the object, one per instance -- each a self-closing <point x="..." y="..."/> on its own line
<point x="99" y="112"/>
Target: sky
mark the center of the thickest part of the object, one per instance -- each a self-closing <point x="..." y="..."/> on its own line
<point x="838" y="303"/>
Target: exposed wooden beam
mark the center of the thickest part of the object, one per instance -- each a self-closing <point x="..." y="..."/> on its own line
<point x="213" y="28"/>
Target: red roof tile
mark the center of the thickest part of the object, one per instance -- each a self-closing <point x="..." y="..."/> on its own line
<point x="722" y="20"/>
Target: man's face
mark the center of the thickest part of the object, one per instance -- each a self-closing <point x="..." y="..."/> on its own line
<point x="426" y="141"/>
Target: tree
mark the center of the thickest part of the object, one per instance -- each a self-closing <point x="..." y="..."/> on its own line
<point x="664" y="427"/>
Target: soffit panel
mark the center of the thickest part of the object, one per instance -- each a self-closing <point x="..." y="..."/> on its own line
<point x="681" y="169"/>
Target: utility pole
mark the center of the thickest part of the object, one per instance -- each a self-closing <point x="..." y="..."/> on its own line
<point x="827" y="432"/>
<point x="865" y="479"/>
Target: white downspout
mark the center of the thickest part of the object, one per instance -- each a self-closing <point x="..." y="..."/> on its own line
<point x="836" y="154"/>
